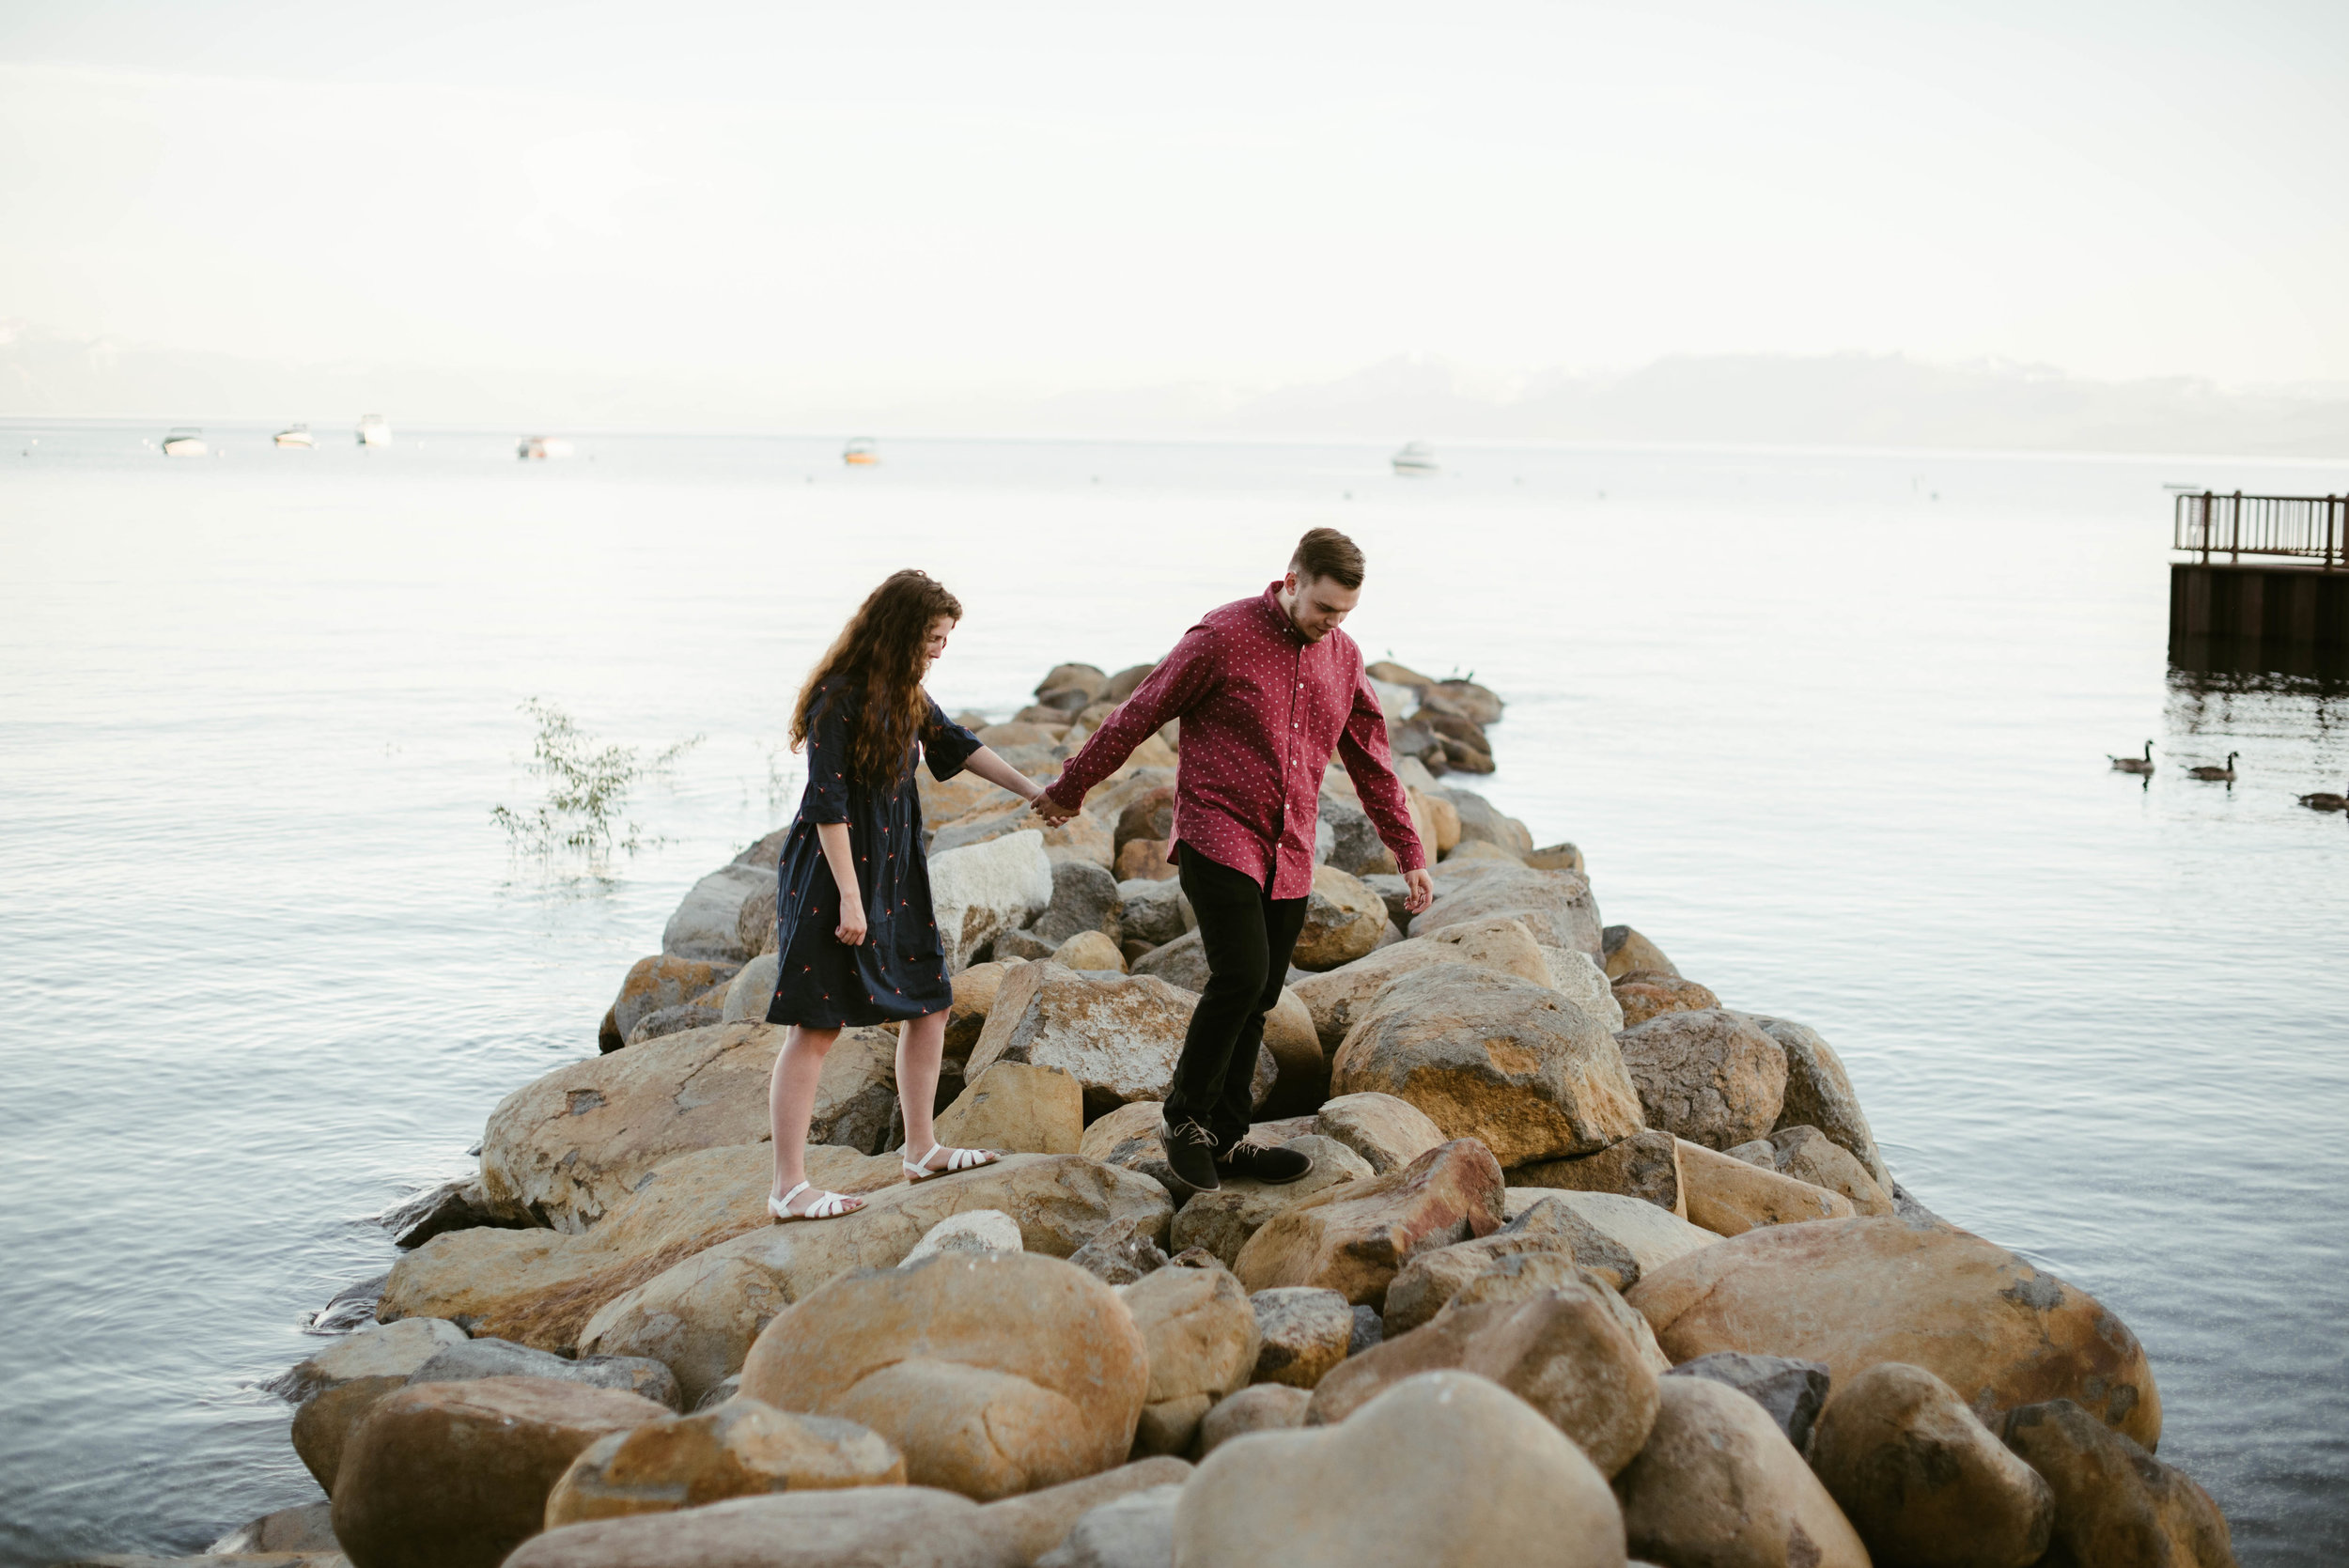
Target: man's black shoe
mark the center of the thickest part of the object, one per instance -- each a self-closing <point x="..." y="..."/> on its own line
<point x="1190" y="1154"/>
<point x="1270" y="1164"/>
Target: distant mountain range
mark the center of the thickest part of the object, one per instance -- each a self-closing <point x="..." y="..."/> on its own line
<point x="1835" y="400"/>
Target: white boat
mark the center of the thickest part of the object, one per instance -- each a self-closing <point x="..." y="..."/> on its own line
<point x="861" y="452"/>
<point x="1417" y="458"/>
<point x="185" y="441"/>
<point x="374" y="430"/>
<point x="539" y="448"/>
<point x="295" y="435"/>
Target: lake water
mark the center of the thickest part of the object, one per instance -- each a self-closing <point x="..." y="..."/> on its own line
<point x="1831" y="728"/>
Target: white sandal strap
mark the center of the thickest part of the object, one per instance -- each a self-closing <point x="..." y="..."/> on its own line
<point x="828" y="1205"/>
<point x="957" y="1160"/>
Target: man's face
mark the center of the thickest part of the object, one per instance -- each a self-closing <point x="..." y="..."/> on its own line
<point x="1318" y="604"/>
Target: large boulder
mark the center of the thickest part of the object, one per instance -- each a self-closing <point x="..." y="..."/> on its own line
<point x="974" y="997"/>
<point x="740" y="1449"/>
<point x="323" y="1425"/>
<point x="1624" y="951"/>
<point x="750" y="992"/>
<point x="1718" y="1484"/>
<point x="1181" y="963"/>
<point x="1083" y="837"/>
<point x="473" y="1359"/>
<point x="378" y="1350"/>
<point x="1819" y="1095"/>
<point x="662" y="981"/>
<point x="1494" y="1057"/>
<point x="1117" y="1036"/>
<point x="1652" y="1236"/>
<point x="980" y="891"/>
<point x="1730" y="1197"/>
<point x="1305" y="1331"/>
<point x="1020" y="1529"/>
<point x="1386" y="1132"/>
<point x="1300" y="1064"/>
<point x="708" y="922"/>
<point x="1550" y="1228"/>
<point x="1202" y="1343"/>
<point x="1337" y="998"/>
<point x="1809" y="1155"/>
<point x="992" y="1375"/>
<point x="455" y="1475"/>
<point x="1922" y="1479"/>
<point x="562" y="1150"/>
<point x="1711" y="1077"/>
<point x="1157" y="912"/>
<point x="1644" y="994"/>
<point x="1085" y="898"/>
<point x="1344" y="920"/>
<point x="1443" y="1470"/>
<point x="1355" y="846"/>
<point x="1481" y="822"/>
<point x="1792" y="1391"/>
<point x="1575" y="975"/>
<point x="885" y="1527"/>
<point x="1258" y="1407"/>
<point x="1136" y="1531"/>
<point x="540" y="1287"/>
<point x="702" y="1315"/>
<point x="1645" y="1165"/>
<point x="1563" y="1353"/>
<point x="1852" y="1293"/>
<point x="1222" y="1222"/>
<point x="1353" y="1238"/>
<point x="2116" y="1506"/>
<point x="1555" y="906"/>
<point x="1017" y="1108"/>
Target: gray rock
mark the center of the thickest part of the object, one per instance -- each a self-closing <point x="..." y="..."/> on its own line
<point x="1120" y="1253"/>
<point x="708" y="922"/>
<point x="457" y="1206"/>
<point x="1555" y="1218"/>
<point x="1025" y="944"/>
<point x="752" y="988"/>
<point x="1303" y="1331"/>
<point x="1181" y="962"/>
<point x="719" y="1392"/>
<point x="1258" y="1407"/>
<point x="674" y="1021"/>
<point x="1394" y="894"/>
<point x="1819" y="1095"/>
<point x="1791" y="1390"/>
<point x="1085" y="898"/>
<point x="1355" y="846"/>
<point x="351" y="1306"/>
<point x="1156" y="912"/>
<point x="1136" y="1531"/>
<point x="378" y="1350"/>
<point x="972" y="1231"/>
<point x="1369" y="1329"/>
<point x="1481" y="822"/>
<point x="307" y="1528"/>
<point x="494" y="1357"/>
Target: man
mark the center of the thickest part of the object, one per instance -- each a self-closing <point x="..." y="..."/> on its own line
<point x="1267" y="689"/>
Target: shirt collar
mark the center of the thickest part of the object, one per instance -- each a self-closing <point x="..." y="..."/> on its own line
<point x="1271" y="602"/>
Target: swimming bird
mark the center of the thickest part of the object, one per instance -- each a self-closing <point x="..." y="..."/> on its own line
<point x="2133" y="764"/>
<point x="2322" y="800"/>
<point x="2226" y="772"/>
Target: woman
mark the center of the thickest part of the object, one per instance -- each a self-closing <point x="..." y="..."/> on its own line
<point x="858" y="944"/>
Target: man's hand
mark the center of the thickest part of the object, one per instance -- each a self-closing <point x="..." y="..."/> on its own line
<point x="1051" y="811"/>
<point x="1422" y="891"/>
<point x="852" y="927"/>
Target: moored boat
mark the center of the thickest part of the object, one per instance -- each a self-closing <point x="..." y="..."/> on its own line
<point x="1416" y="458"/>
<point x="539" y="448"/>
<point x="374" y="430"/>
<point x="295" y="435"/>
<point x="862" y="451"/>
<point x="185" y="441"/>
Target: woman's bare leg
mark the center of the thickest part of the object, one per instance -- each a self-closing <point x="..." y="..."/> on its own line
<point x="791" y="1100"/>
<point x="920" y="1044"/>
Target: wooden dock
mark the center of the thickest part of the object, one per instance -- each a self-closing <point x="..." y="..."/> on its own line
<point x="2293" y="588"/>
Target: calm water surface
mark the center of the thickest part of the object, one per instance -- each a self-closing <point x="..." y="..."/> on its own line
<point x="1831" y="728"/>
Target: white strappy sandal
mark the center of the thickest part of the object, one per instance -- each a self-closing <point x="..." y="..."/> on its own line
<point x="958" y="1162"/>
<point x="828" y="1205"/>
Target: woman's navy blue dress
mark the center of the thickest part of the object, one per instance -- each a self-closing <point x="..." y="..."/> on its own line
<point x="901" y="971"/>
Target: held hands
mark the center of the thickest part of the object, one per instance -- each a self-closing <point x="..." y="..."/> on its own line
<point x="1051" y="811"/>
<point x="852" y="927"/>
<point x="1422" y="891"/>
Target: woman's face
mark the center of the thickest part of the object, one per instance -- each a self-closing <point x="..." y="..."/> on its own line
<point x="934" y="642"/>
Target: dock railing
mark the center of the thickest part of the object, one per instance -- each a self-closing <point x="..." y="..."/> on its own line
<point x="2305" y="527"/>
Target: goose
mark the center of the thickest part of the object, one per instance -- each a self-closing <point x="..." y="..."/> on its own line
<point x="2226" y="772"/>
<point x="2322" y="800"/>
<point x="2133" y="764"/>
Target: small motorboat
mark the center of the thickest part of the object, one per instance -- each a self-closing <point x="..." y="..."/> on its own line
<point x="1417" y="458"/>
<point x="185" y="441"/>
<point x="295" y="435"/>
<point x="374" y="430"/>
<point x="539" y="448"/>
<point x="861" y="452"/>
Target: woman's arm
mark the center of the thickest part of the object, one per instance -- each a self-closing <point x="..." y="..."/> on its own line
<point x="995" y="770"/>
<point x="834" y="836"/>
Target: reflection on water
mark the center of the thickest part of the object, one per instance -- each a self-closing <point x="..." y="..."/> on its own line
<point x="2235" y="665"/>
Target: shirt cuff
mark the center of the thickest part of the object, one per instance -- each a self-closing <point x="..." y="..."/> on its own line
<point x="1054" y="793"/>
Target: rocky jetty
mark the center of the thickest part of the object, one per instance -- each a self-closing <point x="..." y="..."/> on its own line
<point x="1595" y="1264"/>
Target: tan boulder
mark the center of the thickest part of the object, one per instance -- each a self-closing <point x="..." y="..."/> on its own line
<point x="943" y="800"/>
<point x="1555" y="906"/>
<point x="974" y="996"/>
<point x="1222" y="1222"/>
<point x="562" y="1150"/>
<point x="899" y="1527"/>
<point x="540" y="1287"/>
<point x="1344" y="920"/>
<point x="1575" y="975"/>
<point x="2116" y="1506"/>
<point x="701" y="1315"/>
<point x="1645" y="1165"/>
<point x="1144" y="860"/>
<point x="1386" y="1132"/>
<point x="1427" y="1283"/>
<point x="378" y="1350"/>
<point x="993" y="1375"/>
<point x="1922" y="1479"/>
<point x="1443" y="1470"/>
<point x="664" y="980"/>
<point x="1201" y="1337"/>
<point x="1624" y="951"/>
<point x="1440" y="834"/>
<point x="323" y="1425"/>
<point x="1353" y="1238"/>
<point x="1118" y="1036"/>
<point x="1644" y="994"/>
<point x="1016" y="1530"/>
<point x="1711" y="1077"/>
<point x="1017" y="1108"/>
<point x="1305" y="1331"/>
<point x="1730" y="1197"/>
<point x="1851" y="1293"/>
<point x="1819" y="1095"/>
<point x="1563" y="1353"/>
<point x="1651" y="1236"/>
<point x="1301" y="1065"/>
<point x="1528" y="1275"/>
<point x="1809" y="1155"/>
<point x="1089" y="949"/>
<point x="1494" y="1057"/>
<point x="1127" y="1136"/>
<point x="455" y="1475"/>
<point x="1336" y="999"/>
<point x="1718" y="1484"/>
<point x="1258" y="1407"/>
<point x="738" y="1449"/>
<point x="1083" y="837"/>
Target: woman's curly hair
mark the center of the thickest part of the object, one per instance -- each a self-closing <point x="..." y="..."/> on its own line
<point x="878" y="659"/>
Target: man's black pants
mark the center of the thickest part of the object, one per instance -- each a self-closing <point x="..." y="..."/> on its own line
<point x="1248" y="936"/>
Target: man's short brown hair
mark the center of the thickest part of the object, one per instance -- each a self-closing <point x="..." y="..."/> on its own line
<point x="1326" y="553"/>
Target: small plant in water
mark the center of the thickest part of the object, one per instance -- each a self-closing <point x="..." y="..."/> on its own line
<point x="587" y="785"/>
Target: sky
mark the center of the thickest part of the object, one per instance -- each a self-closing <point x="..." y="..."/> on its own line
<point x="887" y="198"/>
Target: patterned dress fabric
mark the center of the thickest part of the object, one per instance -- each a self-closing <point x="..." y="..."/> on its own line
<point x="901" y="971"/>
<point x="1262" y="710"/>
